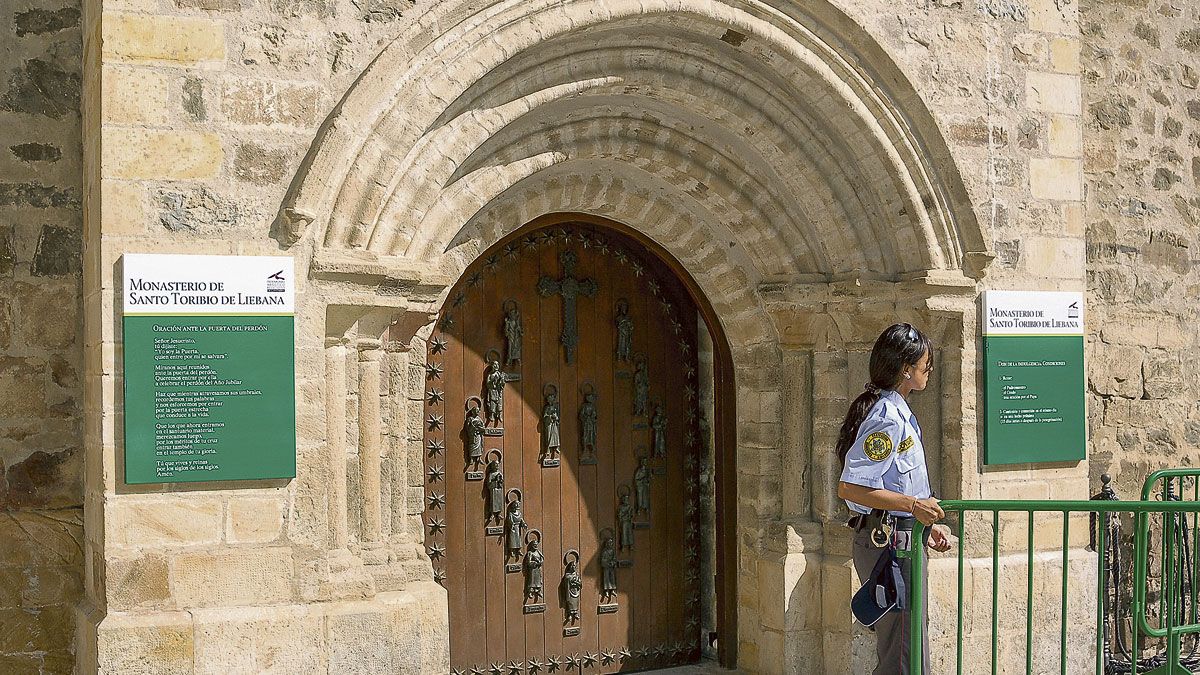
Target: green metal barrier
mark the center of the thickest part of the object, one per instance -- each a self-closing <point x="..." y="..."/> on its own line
<point x="1142" y="512"/>
<point x="1170" y="571"/>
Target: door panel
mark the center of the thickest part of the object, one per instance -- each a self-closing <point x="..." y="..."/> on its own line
<point x="652" y="619"/>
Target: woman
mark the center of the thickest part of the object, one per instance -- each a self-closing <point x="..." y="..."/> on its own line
<point x="884" y="478"/>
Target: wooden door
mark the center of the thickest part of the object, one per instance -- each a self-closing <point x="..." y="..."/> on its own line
<point x="581" y="313"/>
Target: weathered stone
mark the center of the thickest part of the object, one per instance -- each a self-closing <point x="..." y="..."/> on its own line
<point x="160" y="644"/>
<point x="1188" y="40"/>
<point x="232" y="577"/>
<point x="40" y="21"/>
<point x="256" y="164"/>
<point x="42" y="88"/>
<point x="39" y="586"/>
<point x="22" y="386"/>
<point x="135" y="96"/>
<point x="35" y="539"/>
<point x="193" y="98"/>
<point x="8" y="257"/>
<point x="58" y="252"/>
<point x="42" y="629"/>
<point x="1113" y="112"/>
<point x="264" y="102"/>
<point x="194" y="210"/>
<point x="133" y="582"/>
<point x="1165" y="178"/>
<point x="255" y="520"/>
<point x="179" y="40"/>
<point x="319" y="9"/>
<point x="38" y="196"/>
<point x="210" y="5"/>
<point x="47" y="314"/>
<point x="158" y="523"/>
<point x="36" y="152"/>
<point x="161" y="155"/>
<point x="45" y="480"/>
<point x="976" y="133"/>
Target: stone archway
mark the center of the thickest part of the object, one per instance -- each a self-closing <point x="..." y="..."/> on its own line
<point x="811" y="199"/>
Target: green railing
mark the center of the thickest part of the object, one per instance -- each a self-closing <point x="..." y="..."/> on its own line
<point x="1142" y="511"/>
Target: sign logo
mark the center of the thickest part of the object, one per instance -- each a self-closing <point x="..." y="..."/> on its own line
<point x="276" y="283"/>
<point x="1073" y="310"/>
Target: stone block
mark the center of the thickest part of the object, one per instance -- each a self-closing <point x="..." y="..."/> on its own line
<point x="1056" y="178"/>
<point x="173" y="40"/>
<point x="1053" y="93"/>
<point x="47" y="313"/>
<point x="1052" y="16"/>
<point x="48" y="480"/>
<point x="267" y="102"/>
<point x="254" y="519"/>
<point x="165" y="522"/>
<point x="158" y="644"/>
<point x="286" y="640"/>
<point x="58" y="252"/>
<point x="134" y="96"/>
<point x="34" y="539"/>
<point x="1064" y="55"/>
<point x="33" y="587"/>
<point x="1116" y="370"/>
<point x="1065" y="138"/>
<point x="160" y="154"/>
<point x="23" y="386"/>
<point x="136" y="582"/>
<point x="122" y="207"/>
<point x="232" y="577"/>
<point x="260" y="165"/>
<point x="40" y="629"/>
<point x="43" y="88"/>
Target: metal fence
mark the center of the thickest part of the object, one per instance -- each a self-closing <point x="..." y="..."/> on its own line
<point x="1129" y="621"/>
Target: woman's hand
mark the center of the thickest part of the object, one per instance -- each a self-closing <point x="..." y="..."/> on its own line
<point x="940" y="538"/>
<point x="927" y="510"/>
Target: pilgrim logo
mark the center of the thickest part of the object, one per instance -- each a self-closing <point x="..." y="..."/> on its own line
<point x="276" y="283"/>
<point x="1073" y="310"/>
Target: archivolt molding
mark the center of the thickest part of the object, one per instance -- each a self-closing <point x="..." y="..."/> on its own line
<point x="757" y="122"/>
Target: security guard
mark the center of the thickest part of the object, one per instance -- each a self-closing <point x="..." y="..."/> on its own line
<point x="884" y="477"/>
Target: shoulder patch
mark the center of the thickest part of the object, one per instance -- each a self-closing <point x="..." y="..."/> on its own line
<point x="877" y="446"/>
<point x="906" y="444"/>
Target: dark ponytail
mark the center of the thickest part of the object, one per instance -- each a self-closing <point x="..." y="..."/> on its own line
<point x="898" y="346"/>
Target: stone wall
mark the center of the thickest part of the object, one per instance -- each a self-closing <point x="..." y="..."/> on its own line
<point x="1141" y="72"/>
<point x="41" y="459"/>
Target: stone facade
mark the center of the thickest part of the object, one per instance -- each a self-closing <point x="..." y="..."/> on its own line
<point x="1141" y="71"/>
<point x="832" y="166"/>
<point x="41" y="347"/>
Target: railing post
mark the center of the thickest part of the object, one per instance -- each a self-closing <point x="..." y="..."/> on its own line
<point x="916" y="603"/>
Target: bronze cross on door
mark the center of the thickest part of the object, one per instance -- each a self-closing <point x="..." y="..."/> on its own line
<point x="569" y="288"/>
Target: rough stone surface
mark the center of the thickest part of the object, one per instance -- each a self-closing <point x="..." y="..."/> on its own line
<point x="41" y="356"/>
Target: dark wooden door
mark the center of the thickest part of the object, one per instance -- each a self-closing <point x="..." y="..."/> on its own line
<point x="593" y="492"/>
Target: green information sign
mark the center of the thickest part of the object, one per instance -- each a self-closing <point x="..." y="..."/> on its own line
<point x="1033" y="369"/>
<point x="209" y="368"/>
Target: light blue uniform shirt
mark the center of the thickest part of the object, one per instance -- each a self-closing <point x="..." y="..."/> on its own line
<point x="887" y="453"/>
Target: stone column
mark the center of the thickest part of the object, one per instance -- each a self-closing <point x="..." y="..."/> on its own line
<point x="335" y="424"/>
<point x="369" y="442"/>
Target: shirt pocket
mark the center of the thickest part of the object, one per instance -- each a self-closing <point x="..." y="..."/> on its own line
<point x="911" y="458"/>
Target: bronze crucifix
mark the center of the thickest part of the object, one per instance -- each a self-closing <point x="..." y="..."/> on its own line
<point x="569" y="287"/>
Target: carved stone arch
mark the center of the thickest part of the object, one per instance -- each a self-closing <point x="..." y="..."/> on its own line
<point x="796" y="176"/>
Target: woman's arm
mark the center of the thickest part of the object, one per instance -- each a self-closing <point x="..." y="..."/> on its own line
<point x="925" y="510"/>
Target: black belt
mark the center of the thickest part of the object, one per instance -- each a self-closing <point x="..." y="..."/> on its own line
<point x="869" y="521"/>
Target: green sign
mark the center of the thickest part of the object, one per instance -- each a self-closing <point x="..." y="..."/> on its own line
<point x="209" y="368"/>
<point x="1034" y="375"/>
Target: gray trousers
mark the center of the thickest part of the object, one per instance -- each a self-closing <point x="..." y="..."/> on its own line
<point x="891" y="632"/>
